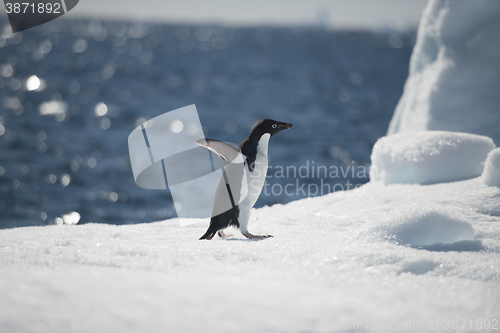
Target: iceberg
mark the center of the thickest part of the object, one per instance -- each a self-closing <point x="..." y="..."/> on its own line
<point x="454" y="79"/>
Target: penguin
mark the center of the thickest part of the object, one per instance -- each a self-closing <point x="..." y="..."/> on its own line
<point x="250" y="159"/>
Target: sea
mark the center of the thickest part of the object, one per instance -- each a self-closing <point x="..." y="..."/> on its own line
<point x="71" y="91"/>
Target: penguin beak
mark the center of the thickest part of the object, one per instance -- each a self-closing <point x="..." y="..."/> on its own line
<point x="286" y="125"/>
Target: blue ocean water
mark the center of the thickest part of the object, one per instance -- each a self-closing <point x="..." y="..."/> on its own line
<point x="72" y="91"/>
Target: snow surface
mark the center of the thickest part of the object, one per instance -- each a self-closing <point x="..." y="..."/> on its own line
<point x="400" y="257"/>
<point x="428" y="157"/>
<point x="454" y="75"/>
<point x="491" y="173"/>
<point x="377" y="257"/>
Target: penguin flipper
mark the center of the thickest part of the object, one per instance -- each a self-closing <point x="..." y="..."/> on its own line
<point x="224" y="150"/>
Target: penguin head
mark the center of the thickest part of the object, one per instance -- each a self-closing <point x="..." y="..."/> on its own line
<point x="270" y="126"/>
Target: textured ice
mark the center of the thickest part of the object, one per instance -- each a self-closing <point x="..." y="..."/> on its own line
<point x="428" y="157"/>
<point x="454" y="75"/>
<point x="433" y="228"/>
<point x="491" y="173"/>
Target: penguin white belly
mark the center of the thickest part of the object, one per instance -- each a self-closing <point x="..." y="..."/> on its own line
<point x="257" y="177"/>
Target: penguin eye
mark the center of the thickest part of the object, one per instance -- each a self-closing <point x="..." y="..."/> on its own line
<point x="274" y="126"/>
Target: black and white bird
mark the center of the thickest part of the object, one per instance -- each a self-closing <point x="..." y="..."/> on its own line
<point x="245" y="174"/>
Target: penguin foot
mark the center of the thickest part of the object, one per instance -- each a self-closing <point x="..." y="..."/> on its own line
<point x="250" y="236"/>
<point x="223" y="235"/>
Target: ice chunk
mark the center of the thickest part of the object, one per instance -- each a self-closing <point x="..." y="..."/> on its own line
<point x="454" y="74"/>
<point x="428" y="157"/>
<point x="491" y="173"/>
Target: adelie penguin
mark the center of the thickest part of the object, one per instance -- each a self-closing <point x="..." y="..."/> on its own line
<point x="242" y="180"/>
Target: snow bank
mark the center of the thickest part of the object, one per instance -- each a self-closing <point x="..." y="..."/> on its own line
<point x="430" y="228"/>
<point x="428" y="157"/>
<point x="491" y="173"/>
<point x="454" y="75"/>
<point x="347" y="259"/>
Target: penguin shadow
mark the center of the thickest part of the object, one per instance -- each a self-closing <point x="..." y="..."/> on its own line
<point x="233" y="238"/>
<point x="245" y="239"/>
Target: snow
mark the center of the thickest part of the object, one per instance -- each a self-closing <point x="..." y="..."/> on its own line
<point x="431" y="228"/>
<point x="380" y="257"/>
<point x="491" y="173"/>
<point x="428" y="157"/>
<point x="375" y="257"/>
<point x="454" y="71"/>
<point x="391" y="255"/>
